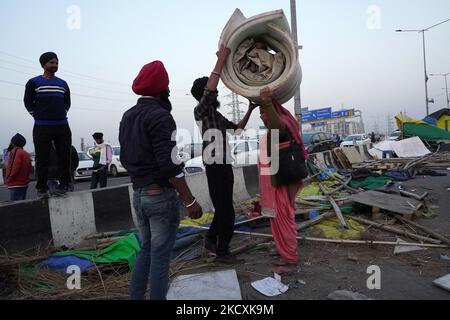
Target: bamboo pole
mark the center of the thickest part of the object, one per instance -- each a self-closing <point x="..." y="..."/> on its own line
<point x="343" y="241"/>
<point x="427" y="230"/>
<point x="314" y="221"/>
<point x="338" y="212"/>
<point x="395" y="230"/>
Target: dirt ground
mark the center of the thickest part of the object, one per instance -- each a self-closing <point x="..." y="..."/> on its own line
<point x="326" y="267"/>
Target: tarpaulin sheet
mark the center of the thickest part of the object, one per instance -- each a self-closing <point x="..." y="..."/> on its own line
<point x="62" y="263"/>
<point x="125" y="249"/>
<point x="425" y="132"/>
<point x="370" y="183"/>
<point x="331" y="229"/>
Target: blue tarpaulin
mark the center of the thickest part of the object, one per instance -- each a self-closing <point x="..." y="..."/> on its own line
<point x="62" y="263"/>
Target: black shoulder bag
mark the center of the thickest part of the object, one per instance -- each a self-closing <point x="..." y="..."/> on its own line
<point x="292" y="163"/>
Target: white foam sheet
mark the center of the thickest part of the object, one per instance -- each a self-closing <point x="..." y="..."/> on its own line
<point x="412" y="147"/>
<point x="275" y="25"/>
<point x="220" y="285"/>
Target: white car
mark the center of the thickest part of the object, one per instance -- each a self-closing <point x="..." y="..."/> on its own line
<point x="85" y="166"/>
<point x="183" y="156"/>
<point x="116" y="167"/>
<point x="244" y="153"/>
<point x="355" y="140"/>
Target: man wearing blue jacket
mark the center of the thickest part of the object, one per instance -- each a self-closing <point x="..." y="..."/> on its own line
<point x="47" y="99"/>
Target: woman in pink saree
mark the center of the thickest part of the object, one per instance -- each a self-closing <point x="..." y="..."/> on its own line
<point x="279" y="202"/>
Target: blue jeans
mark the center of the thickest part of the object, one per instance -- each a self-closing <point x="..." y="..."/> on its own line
<point x="158" y="220"/>
<point x="52" y="185"/>
<point x="17" y="194"/>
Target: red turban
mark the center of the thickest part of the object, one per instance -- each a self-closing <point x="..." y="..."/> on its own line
<point x="152" y="79"/>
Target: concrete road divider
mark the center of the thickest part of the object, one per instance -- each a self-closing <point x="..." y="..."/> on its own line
<point x="67" y="220"/>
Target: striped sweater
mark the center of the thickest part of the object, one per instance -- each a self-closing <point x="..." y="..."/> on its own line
<point x="47" y="100"/>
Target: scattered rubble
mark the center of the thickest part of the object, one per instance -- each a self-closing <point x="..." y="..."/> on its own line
<point x="356" y="203"/>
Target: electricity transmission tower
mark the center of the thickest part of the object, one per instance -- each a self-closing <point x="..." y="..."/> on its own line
<point x="235" y="110"/>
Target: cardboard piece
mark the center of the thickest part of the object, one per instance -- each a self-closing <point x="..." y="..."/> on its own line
<point x="220" y="285"/>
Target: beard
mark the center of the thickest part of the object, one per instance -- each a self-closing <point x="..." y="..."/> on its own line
<point x="52" y="69"/>
<point x="164" y="97"/>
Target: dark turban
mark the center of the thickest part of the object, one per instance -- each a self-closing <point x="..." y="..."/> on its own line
<point x="98" y="136"/>
<point x="46" y="57"/>
<point x="153" y="79"/>
<point x="19" y="140"/>
<point x="199" y="88"/>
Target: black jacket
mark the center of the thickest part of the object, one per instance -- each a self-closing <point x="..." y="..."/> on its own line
<point x="146" y="144"/>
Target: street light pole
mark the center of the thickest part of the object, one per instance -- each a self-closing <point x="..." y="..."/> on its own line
<point x="446" y="91"/>
<point x="427" y="101"/>
<point x="297" y="97"/>
<point x="446" y="85"/>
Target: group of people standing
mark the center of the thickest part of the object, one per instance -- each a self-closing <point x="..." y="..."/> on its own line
<point x="47" y="99"/>
<point x="160" y="189"/>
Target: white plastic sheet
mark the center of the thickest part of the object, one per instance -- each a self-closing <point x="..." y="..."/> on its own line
<point x="270" y="287"/>
<point x="412" y="147"/>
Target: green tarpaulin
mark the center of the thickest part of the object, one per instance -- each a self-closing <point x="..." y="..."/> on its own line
<point x="370" y="183"/>
<point x="125" y="249"/>
<point x="425" y="132"/>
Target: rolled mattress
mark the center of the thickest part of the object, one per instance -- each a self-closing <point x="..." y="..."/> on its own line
<point x="271" y="28"/>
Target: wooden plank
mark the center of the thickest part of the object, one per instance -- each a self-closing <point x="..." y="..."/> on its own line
<point x="314" y="221"/>
<point x="338" y="212"/>
<point x="352" y="155"/>
<point x="343" y="159"/>
<point x="395" y="230"/>
<point x="389" y="202"/>
<point x="427" y="230"/>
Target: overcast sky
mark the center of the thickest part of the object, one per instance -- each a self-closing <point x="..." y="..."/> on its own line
<point x="351" y="57"/>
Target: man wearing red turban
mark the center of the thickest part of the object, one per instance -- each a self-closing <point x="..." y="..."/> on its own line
<point x="153" y="79"/>
<point x="146" y="152"/>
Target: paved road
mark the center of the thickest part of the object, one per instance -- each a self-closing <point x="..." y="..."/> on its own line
<point x="79" y="186"/>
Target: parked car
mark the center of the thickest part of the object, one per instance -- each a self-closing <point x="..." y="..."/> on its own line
<point x="193" y="150"/>
<point x="355" y="140"/>
<point x="244" y="152"/>
<point x="318" y="141"/>
<point x="85" y="167"/>
<point x="116" y="167"/>
<point x="183" y="156"/>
